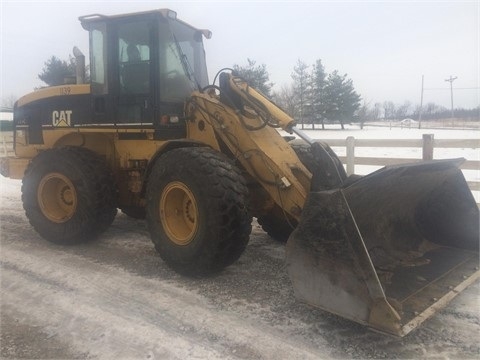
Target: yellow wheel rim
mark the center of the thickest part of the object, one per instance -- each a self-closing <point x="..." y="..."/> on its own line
<point x="57" y="197"/>
<point x="179" y="213"/>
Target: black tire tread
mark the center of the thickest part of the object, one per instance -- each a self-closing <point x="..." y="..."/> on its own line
<point x="135" y="212"/>
<point x="304" y="153"/>
<point x="277" y="227"/>
<point x="228" y="222"/>
<point x="97" y="208"/>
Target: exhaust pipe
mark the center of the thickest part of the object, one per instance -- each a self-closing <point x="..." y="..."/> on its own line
<point x="80" y="65"/>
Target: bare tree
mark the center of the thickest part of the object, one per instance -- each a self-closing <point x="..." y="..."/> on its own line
<point x="416" y="111"/>
<point x="402" y="110"/>
<point x="377" y="112"/>
<point x="389" y="110"/>
<point x="363" y="113"/>
<point x="430" y="109"/>
<point x="8" y="101"/>
<point x="287" y="99"/>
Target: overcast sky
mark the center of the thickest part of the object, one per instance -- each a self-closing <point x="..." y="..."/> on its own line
<point x="383" y="46"/>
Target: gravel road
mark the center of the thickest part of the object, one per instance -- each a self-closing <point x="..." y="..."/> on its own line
<point x="115" y="298"/>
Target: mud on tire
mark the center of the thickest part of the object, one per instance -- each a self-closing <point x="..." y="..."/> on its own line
<point x="196" y="210"/>
<point x="69" y="195"/>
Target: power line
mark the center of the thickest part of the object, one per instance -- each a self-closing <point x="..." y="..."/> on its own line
<point x="467" y="88"/>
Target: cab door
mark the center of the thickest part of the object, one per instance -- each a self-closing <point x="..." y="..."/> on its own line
<point x="134" y="73"/>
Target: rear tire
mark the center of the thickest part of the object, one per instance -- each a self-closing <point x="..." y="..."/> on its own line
<point x="135" y="212"/>
<point x="69" y="195"/>
<point x="196" y="211"/>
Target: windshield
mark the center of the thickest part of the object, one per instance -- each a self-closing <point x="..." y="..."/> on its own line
<point x="182" y="61"/>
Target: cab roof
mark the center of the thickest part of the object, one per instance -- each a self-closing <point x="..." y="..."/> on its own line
<point x="86" y="20"/>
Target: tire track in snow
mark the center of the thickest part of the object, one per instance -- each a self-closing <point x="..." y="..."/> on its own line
<point x="113" y="313"/>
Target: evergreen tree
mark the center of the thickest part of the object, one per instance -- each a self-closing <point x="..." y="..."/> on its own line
<point x="318" y="82"/>
<point x="302" y="87"/>
<point x="55" y="71"/>
<point x="256" y="76"/>
<point x="341" y="99"/>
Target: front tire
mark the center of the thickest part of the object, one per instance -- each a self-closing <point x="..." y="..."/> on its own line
<point x="277" y="224"/>
<point x="69" y="195"/>
<point x="196" y="211"/>
<point x="304" y="153"/>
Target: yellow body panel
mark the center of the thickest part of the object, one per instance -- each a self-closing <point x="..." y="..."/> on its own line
<point x="264" y="154"/>
<point x="13" y="167"/>
<point x="52" y="91"/>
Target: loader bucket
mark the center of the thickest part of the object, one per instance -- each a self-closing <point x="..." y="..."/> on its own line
<point x="390" y="249"/>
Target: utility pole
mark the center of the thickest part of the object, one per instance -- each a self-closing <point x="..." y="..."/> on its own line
<point x="421" y="107"/>
<point x="450" y="80"/>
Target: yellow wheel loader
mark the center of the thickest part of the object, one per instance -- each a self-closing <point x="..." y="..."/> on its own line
<point x="150" y="136"/>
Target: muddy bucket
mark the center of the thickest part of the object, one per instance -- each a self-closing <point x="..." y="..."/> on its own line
<point x="389" y="250"/>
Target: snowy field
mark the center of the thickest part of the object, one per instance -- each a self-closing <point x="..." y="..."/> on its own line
<point x="115" y="299"/>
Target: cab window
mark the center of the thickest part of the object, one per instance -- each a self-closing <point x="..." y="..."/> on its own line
<point x="134" y="58"/>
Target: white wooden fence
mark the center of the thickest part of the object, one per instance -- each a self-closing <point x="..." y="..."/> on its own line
<point x="6" y="143"/>
<point x="427" y="144"/>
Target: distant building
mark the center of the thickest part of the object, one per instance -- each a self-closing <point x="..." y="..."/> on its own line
<point x="6" y="113"/>
<point x="6" y="119"/>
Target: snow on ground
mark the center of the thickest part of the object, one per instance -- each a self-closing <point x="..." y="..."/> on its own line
<point x="115" y="298"/>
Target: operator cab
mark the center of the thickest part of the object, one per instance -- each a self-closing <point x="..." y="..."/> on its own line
<point x="142" y="68"/>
